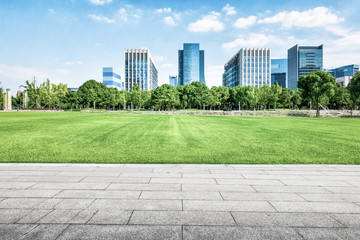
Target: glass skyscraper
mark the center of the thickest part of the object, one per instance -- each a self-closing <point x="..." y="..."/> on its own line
<point x="140" y="69"/>
<point x="303" y="60"/>
<point x="173" y="81"/>
<point x="248" y="67"/>
<point x="279" y="72"/>
<point x="111" y="79"/>
<point x="191" y="64"/>
<point x="344" y="74"/>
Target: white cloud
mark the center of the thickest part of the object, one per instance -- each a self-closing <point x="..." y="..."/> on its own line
<point x="122" y="14"/>
<point x="160" y="58"/>
<point x="177" y="16"/>
<point x="245" y="22"/>
<point x="167" y="65"/>
<point x="101" y="18"/>
<point x="21" y="73"/>
<point x="229" y="10"/>
<point x="73" y="63"/>
<point x="253" y="40"/>
<point x="213" y="75"/>
<point x="169" y="21"/>
<point x="100" y="2"/>
<point x="317" y="17"/>
<point x="129" y="14"/>
<point x="163" y="10"/>
<point x="208" y="23"/>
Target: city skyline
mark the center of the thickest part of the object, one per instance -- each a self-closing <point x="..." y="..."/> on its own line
<point x="70" y="41"/>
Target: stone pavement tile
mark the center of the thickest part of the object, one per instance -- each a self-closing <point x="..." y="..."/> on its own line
<point x="341" y="173"/>
<point x="288" y="172"/>
<point x="346" y="178"/>
<point x="250" y="219"/>
<point x="82" y="186"/>
<point x="242" y="206"/>
<point x="238" y="233"/>
<point x="136" y="169"/>
<point x="15" y="185"/>
<point x="181" y="218"/>
<point x="48" y="203"/>
<point x="83" y="217"/>
<point x="47" y="179"/>
<point x="45" y="232"/>
<point x="268" y="176"/>
<point x="348" y="190"/>
<point x="115" y="180"/>
<point x="217" y="188"/>
<point x="22" y="193"/>
<point x="6" y="178"/>
<point x="183" y="180"/>
<point x="121" y="232"/>
<point x="354" y="182"/>
<point x="261" y="196"/>
<point x="144" y="187"/>
<point x="291" y="189"/>
<point x="214" y="175"/>
<point x="326" y="207"/>
<point x="180" y="170"/>
<point x="349" y="220"/>
<point x="74" y="204"/>
<point x="14" y="231"/>
<point x="90" y="174"/>
<point x="315" y="183"/>
<point x="331" y="197"/>
<point x="127" y="204"/>
<point x="250" y="182"/>
<point x="327" y="234"/>
<point x="98" y="194"/>
<point x="137" y="174"/>
<point x="180" y="195"/>
<point x="34" y="216"/>
<point x="59" y="216"/>
<point x="110" y="216"/>
<point x="20" y="203"/>
<point x="12" y="215"/>
<point x="27" y="173"/>
<point x="238" y="171"/>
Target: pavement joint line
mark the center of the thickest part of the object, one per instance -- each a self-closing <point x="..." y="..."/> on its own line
<point x="299" y="194"/>
<point x="182" y="232"/>
<point x="334" y="218"/>
<point x="29" y="231"/>
<point x="272" y="206"/>
<point x="128" y="221"/>
<point x="282" y="182"/>
<point x="149" y="180"/>
<point x="82" y="179"/>
<point x="96" y="211"/>
<point x="24" y="215"/>
<point x="52" y="210"/>
<point x="221" y="196"/>
<point x="233" y="218"/>
<point x="140" y="194"/>
<point x="63" y="231"/>
<point x="252" y="186"/>
<point x="216" y="181"/>
<point x="298" y="232"/>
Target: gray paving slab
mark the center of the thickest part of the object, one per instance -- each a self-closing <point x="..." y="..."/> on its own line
<point x="327" y="207"/>
<point x="31" y="193"/>
<point x="261" y="196"/>
<point x="246" y="206"/>
<point x="12" y="215"/>
<point x="20" y="203"/>
<point x="59" y="216"/>
<point x="180" y="195"/>
<point x="214" y="175"/>
<point x="34" y="216"/>
<point x="342" y="197"/>
<point x="98" y="194"/>
<point x="14" y="231"/>
<point x="90" y="174"/>
<point x="217" y="188"/>
<point x="158" y="175"/>
<point x="183" y="180"/>
<point x="47" y="179"/>
<point x="6" y="178"/>
<point x="49" y="203"/>
<point x="15" y="185"/>
<point x="349" y="190"/>
<point x="270" y="176"/>
<point x="181" y="218"/>
<point x="349" y="220"/>
<point x="28" y="173"/>
<point x="83" y="217"/>
<point x="74" y="203"/>
<point x="236" y="233"/>
<point x="67" y="186"/>
<point x="115" y="180"/>
<point x="45" y="232"/>
<point x="291" y="189"/>
<point x="144" y="187"/>
<point x="316" y="183"/>
<point x="122" y="232"/>
<point x="140" y="204"/>
<point x="250" y="182"/>
<point x="110" y="217"/>
<point x="326" y="234"/>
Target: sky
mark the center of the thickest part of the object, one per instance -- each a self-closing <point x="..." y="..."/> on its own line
<point x="70" y="41"/>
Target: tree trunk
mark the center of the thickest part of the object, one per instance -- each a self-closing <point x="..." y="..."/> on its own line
<point x="318" y="111"/>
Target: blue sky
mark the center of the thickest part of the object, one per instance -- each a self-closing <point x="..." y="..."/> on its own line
<point x="69" y="41"/>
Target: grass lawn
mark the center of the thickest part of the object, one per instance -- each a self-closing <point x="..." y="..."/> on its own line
<point x="145" y="138"/>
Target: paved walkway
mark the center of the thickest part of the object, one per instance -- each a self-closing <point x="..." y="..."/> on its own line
<point x="76" y="201"/>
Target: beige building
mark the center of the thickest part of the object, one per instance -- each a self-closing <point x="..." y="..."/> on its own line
<point x="7" y="100"/>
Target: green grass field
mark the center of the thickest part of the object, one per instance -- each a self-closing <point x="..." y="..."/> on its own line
<point x="144" y="138"/>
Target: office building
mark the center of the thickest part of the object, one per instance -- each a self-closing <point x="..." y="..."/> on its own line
<point x="111" y="79"/>
<point x="248" y="67"/>
<point x="173" y="81"/>
<point x="25" y="99"/>
<point x="279" y="72"/>
<point x="191" y="64"/>
<point x="344" y="74"/>
<point x="140" y="69"/>
<point x="7" y="100"/>
<point x="303" y="60"/>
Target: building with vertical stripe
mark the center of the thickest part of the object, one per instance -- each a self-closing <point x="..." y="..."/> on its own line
<point x="111" y="79"/>
<point x="248" y="67"/>
<point x="140" y="69"/>
<point x="191" y="64"/>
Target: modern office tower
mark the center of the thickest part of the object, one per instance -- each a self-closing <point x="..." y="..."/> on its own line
<point x="25" y="99"/>
<point x="191" y="64"/>
<point x="279" y="72"/>
<point x="140" y="69"/>
<point x="173" y="81"/>
<point x="111" y="79"/>
<point x="344" y="74"/>
<point x="303" y="60"/>
<point x="7" y="100"/>
<point x="248" y="67"/>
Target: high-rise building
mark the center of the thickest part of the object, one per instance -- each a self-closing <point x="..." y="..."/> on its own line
<point x="248" y="67"/>
<point x="111" y="79"/>
<point x="25" y="99"/>
<point x="7" y="100"/>
<point x="140" y="69"/>
<point x="279" y="72"/>
<point x="191" y="64"/>
<point x="173" y="81"/>
<point x="344" y="74"/>
<point x="303" y="60"/>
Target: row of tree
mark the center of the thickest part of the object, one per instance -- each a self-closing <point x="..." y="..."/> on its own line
<point x="316" y="89"/>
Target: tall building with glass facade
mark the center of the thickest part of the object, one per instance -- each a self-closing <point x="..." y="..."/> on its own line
<point x="140" y="69"/>
<point x="303" y="60"/>
<point x="173" y="81"/>
<point x="344" y="74"/>
<point x="111" y="79"/>
<point x="279" y="72"/>
<point x="191" y="64"/>
<point x="248" y="67"/>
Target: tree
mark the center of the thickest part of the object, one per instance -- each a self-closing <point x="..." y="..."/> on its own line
<point x="265" y="96"/>
<point x="146" y="99"/>
<point x="113" y="99"/>
<point x="315" y="86"/>
<point x="165" y="96"/>
<point x="33" y="93"/>
<point x="285" y="97"/>
<point x="354" y="90"/>
<point x="341" y="97"/>
<point x="72" y="99"/>
<point x="93" y="92"/>
<point x="59" y="92"/>
<point x="136" y="95"/>
<point x="276" y="90"/>
<point x="122" y="98"/>
<point x="252" y="96"/>
<point x="1" y="97"/>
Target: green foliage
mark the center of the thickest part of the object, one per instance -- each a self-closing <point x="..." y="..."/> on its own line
<point x="354" y="89"/>
<point x="165" y="97"/>
<point x="93" y="93"/>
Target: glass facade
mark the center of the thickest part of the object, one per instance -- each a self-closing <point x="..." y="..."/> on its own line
<point x="279" y="71"/>
<point x="248" y="67"/>
<point x="140" y="69"/>
<point x="111" y="79"/>
<point x="173" y="81"/>
<point x="303" y="60"/>
<point x="344" y="74"/>
<point x="191" y="64"/>
<point x="279" y="78"/>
